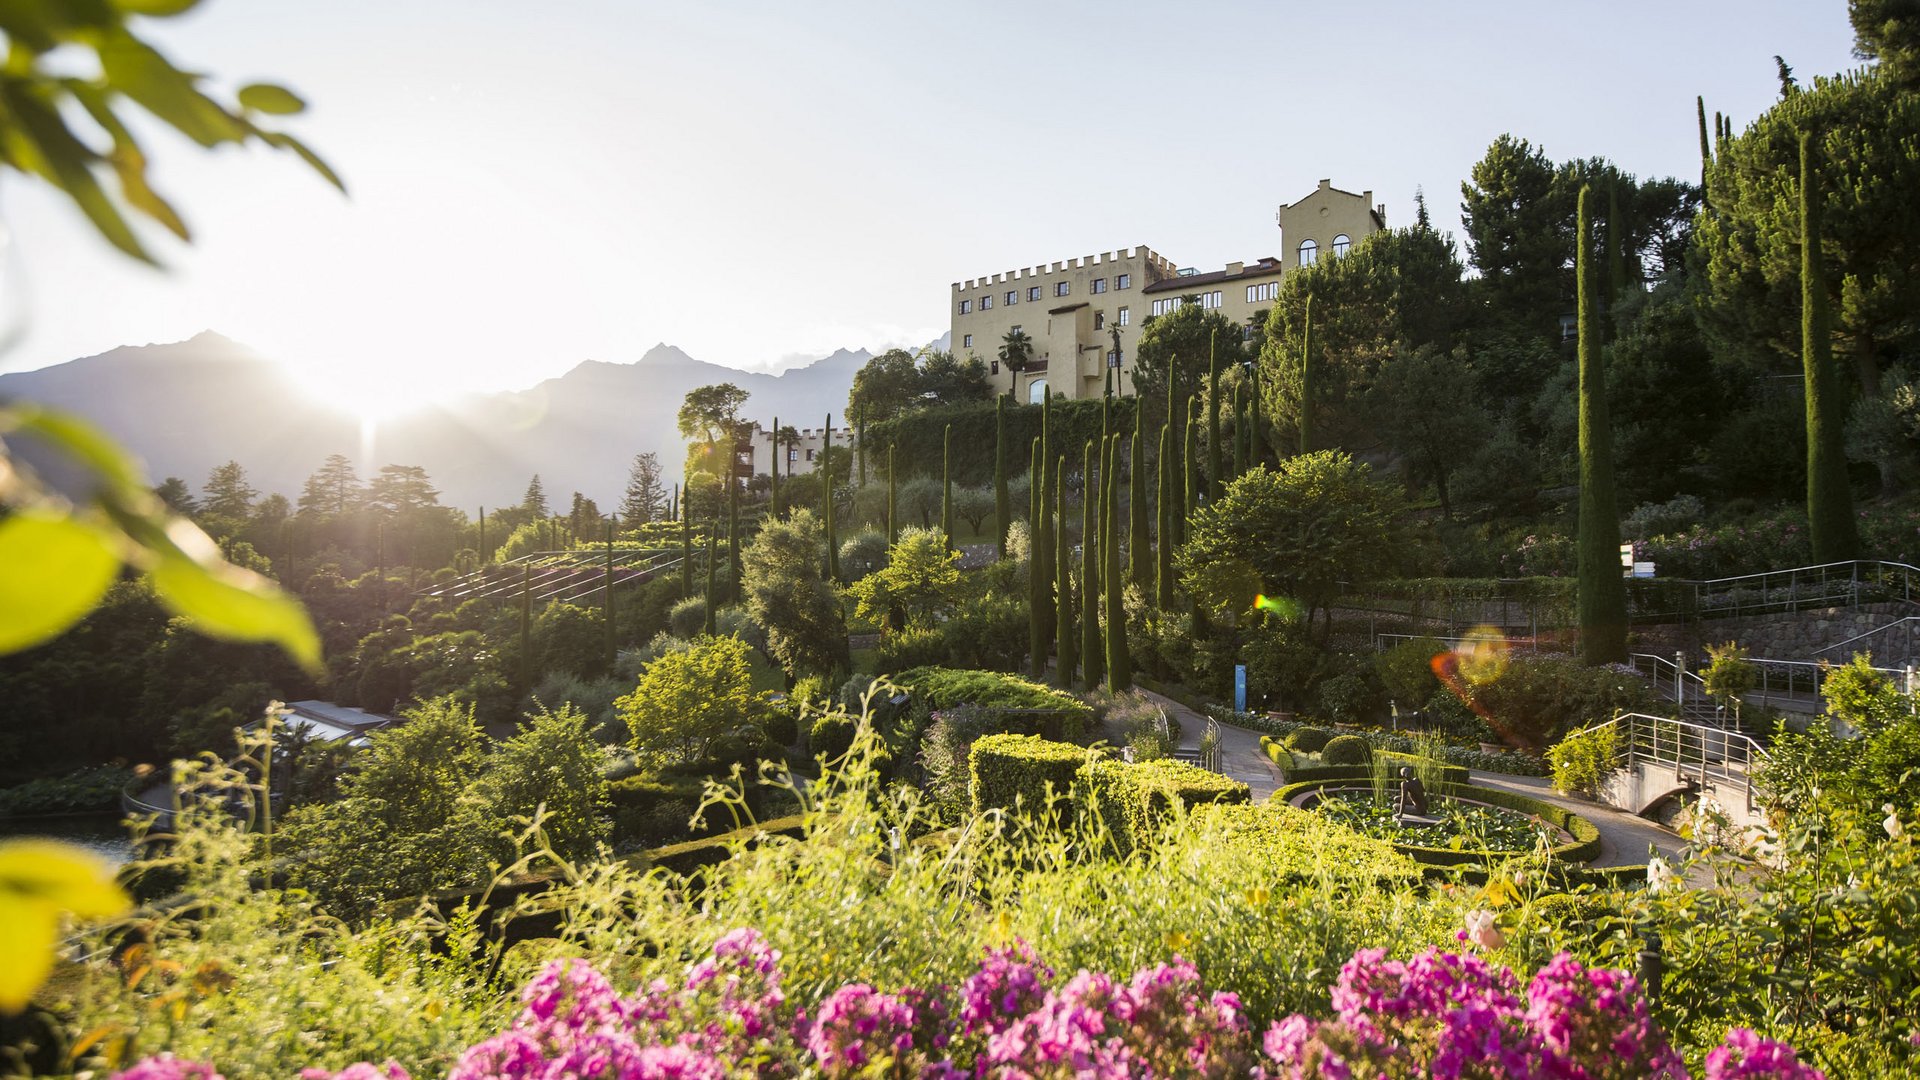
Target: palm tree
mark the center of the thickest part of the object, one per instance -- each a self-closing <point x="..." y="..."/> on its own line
<point x="1016" y="349"/>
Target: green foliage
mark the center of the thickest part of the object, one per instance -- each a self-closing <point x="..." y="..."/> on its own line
<point x="897" y="382"/>
<point x="1406" y="671"/>
<point x="549" y="771"/>
<point x="915" y="646"/>
<point x="787" y="594"/>
<point x="1135" y="802"/>
<point x="89" y="790"/>
<point x="1063" y="716"/>
<point x="921" y="580"/>
<point x="1536" y="698"/>
<point x="1298" y="532"/>
<point x="1583" y="758"/>
<point x="918" y="440"/>
<point x="686" y="700"/>
<point x="1309" y="740"/>
<point x="1829" y="499"/>
<point x="649" y="811"/>
<point x="1729" y="674"/>
<point x="831" y="736"/>
<point x="1024" y="773"/>
<point x="1347" y="750"/>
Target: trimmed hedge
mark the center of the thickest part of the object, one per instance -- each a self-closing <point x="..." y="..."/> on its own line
<point x="650" y="810"/>
<point x="1585" y="846"/>
<point x="1278" y="753"/>
<point x="1031" y="707"/>
<point x="1509" y="762"/>
<point x="1309" y="740"/>
<point x="1347" y="750"/>
<point x="831" y="737"/>
<point x="690" y="856"/>
<point x="1016" y="769"/>
<point x="1134" y="800"/>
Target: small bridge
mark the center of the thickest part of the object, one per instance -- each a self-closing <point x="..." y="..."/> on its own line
<point x="566" y="576"/>
<point x="1660" y="759"/>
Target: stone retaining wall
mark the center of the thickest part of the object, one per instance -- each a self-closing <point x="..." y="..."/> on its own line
<point x="1799" y="635"/>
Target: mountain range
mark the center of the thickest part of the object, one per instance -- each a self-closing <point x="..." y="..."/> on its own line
<point x="189" y="406"/>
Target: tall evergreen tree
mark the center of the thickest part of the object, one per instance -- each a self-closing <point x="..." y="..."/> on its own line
<point x="1064" y="644"/>
<point x="1706" y="149"/>
<point x="946" y="485"/>
<point x="1239" y="433"/>
<point x="1090" y="657"/>
<point x="1602" y="596"/>
<point x="893" y="501"/>
<point x="534" y="502"/>
<point x="1119" y="660"/>
<point x="645" y="496"/>
<point x="334" y="488"/>
<point x="707" y="625"/>
<point x="773" y="473"/>
<point x="686" y="550"/>
<point x="1829" y="500"/>
<point x="227" y="494"/>
<point x="1138" y="541"/>
<point x="1038" y="598"/>
<point x="1192" y="478"/>
<point x="1163" y="584"/>
<point x="733" y="539"/>
<point x="606" y="606"/>
<point x="1257" y="433"/>
<point x="1002" y="506"/>
<point x="826" y="490"/>
<point x="1306" y="378"/>
<point x="860" y="445"/>
<point x="1214" y="457"/>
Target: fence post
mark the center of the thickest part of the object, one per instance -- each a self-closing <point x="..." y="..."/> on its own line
<point x="1679" y="687"/>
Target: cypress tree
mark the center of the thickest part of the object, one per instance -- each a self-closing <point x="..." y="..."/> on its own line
<point x="1048" y="524"/>
<point x="733" y="539"/>
<point x="1239" y="433"/>
<point x="1213" y="418"/>
<point x="860" y="445"/>
<point x="1138" y="542"/>
<point x="707" y="626"/>
<point x="1192" y="477"/>
<point x="1602" y="597"/>
<point x="1038" y="598"/>
<point x="1616" y="256"/>
<point x="612" y="650"/>
<point x="893" y="502"/>
<point x="526" y="626"/>
<point x="485" y="555"/>
<point x="1119" y="660"/>
<point x="773" y="472"/>
<point x="1090" y="541"/>
<point x="1306" y="378"/>
<point x="826" y="492"/>
<point x="1163" y="590"/>
<point x="1062" y="588"/>
<point x="1002" y="506"/>
<point x="946" y="485"/>
<point x="1256" y="435"/>
<point x="1706" y="149"/>
<point x="686" y="550"/>
<point x="1829" y="501"/>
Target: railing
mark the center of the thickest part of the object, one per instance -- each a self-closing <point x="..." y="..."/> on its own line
<point x="1697" y="751"/>
<point x="1907" y="622"/>
<point x="557" y="575"/>
<point x="1807" y="678"/>
<point x="1683" y="687"/>
<point x="1826" y="585"/>
<point x="1383" y="642"/>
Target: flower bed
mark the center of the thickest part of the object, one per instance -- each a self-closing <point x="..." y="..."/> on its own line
<point x="1440" y="1014"/>
<point x="1579" y="841"/>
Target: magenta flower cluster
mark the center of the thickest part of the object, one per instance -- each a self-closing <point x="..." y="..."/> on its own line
<point x="1449" y="1016"/>
<point x="1439" y="1014"/>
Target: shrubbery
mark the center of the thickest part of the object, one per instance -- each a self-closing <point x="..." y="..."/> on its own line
<point x="1012" y="771"/>
<point x="1584" y="758"/>
<point x="1134" y="801"/>
<point x="1347" y="750"/>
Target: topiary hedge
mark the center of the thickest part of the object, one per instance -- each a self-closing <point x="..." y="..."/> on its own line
<point x="1278" y="753"/>
<point x="1134" y="800"/>
<point x="1016" y="770"/>
<point x="1309" y="740"/>
<point x="1347" y="750"/>
<point x="1031" y="707"/>
<point x="831" y="736"/>
<point x="694" y="854"/>
<point x="649" y="810"/>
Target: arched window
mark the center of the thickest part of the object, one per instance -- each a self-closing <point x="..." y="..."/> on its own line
<point x="1037" y="392"/>
<point x="1341" y="243"/>
<point x="1309" y="251"/>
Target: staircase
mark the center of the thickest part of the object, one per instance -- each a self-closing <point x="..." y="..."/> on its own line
<point x="565" y="576"/>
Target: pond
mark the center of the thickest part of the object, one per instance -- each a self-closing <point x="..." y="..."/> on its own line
<point x="101" y="833"/>
<point x="1462" y="826"/>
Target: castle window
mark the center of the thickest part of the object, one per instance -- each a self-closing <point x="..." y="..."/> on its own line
<point x="1210" y="300"/>
<point x="966" y="341"/>
<point x="809" y="455"/>
<point x="986" y="302"/>
<point x="1033" y="294"/>
<point x="1099" y="284"/>
<point x="1124" y="281"/>
<point x="1099" y="320"/>
<point x="1250" y="289"/>
<point x="1037" y="392"/>
<point x="1121" y="317"/>
<point x="1309" y="251"/>
<point x="1013" y="297"/>
<point x="996" y="368"/>
<point x="1061" y="288"/>
<point x="1341" y="243"/>
<point x="966" y="307"/>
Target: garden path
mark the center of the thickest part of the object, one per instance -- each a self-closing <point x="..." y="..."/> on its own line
<point x="1240" y="755"/>
<point x="1624" y="837"/>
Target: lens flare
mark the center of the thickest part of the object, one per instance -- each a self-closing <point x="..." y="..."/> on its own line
<point x="1278" y="605"/>
<point x="1482" y="655"/>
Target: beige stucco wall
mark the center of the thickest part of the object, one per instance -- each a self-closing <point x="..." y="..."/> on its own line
<point x="1322" y="216"/>
<point x="806" y="454"/>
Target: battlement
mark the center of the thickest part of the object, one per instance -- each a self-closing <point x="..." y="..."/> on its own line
<point x="1029" y="275"/>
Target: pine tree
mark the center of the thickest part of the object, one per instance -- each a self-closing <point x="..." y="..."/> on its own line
<point x="1163" y="586"/>
<point x="1062" y="589"/>
<point x="1089" y="572"/>
<point x="1138" y="542"/>
<point x="534" y="502"/>
<point x="1829" y="500"/>
<point x="1602" y="597"/>
<point x="1119" y="660"/>
<point x="1213" y="419"/>
<point x="946" y="485"/>
<point x="1001" y="504"/>
<point x="1306" y="377"/>
<point x="227" y="494"/>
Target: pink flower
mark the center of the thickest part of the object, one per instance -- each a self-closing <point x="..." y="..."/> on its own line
<point x="168" y="1067"/>
<point x="1744" y="1054"/>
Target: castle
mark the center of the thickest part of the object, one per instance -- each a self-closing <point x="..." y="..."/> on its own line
<point x="1082" y="317"/>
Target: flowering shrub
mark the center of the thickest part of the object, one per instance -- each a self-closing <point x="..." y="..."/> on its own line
<point x="1439" y="1014"/>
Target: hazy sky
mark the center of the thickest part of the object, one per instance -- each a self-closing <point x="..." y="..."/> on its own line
<point x="532" y="185"/>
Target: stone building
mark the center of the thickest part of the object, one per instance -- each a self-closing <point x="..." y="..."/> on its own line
<point x="1082" y="317"/>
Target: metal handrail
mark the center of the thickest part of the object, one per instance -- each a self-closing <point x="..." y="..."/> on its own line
<point x="1710" y="753"/>
<point x="1868" y="634"/>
